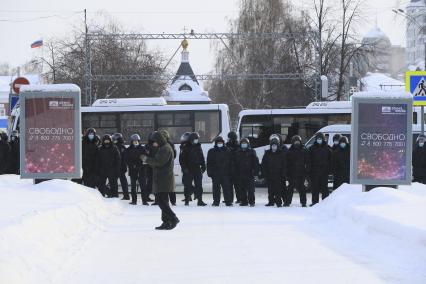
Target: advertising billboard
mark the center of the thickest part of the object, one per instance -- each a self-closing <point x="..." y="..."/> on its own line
<point x="381" y="141"/>
<point x="50" y="133"/>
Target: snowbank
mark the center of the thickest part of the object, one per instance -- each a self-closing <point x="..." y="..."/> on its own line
<point x="42" y="226"/>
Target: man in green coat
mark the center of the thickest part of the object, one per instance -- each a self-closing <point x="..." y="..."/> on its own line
<point x="162" y="163"/>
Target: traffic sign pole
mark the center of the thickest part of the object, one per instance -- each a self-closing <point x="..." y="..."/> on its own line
<point x="423" y="119"/>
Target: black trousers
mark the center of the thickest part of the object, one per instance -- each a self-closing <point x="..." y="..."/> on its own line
<point x="149" y="174"/>
<point x="141" y="179"/>
<point x="275" y="190"/>
<point x="188" y="189"/>
<point x="113" y="186"/>
<point x="197" y="178"/>
<point x="420" y="179"/>
<point x="246" y="185"/>
<point x="339" y="180"/>
<point x="237" y="188"/>
<point x="90" y="179"/>
<point x="298" y="183"/>
<point x="124" y="184"/>
<point x="222" y="182"/>
<point x="167" y="214"/>
<point x="319" y="184"/>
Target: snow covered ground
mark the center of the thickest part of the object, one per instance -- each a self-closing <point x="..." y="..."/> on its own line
<point x="60" y="232"/>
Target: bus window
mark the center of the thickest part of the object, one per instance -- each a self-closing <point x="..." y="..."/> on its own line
<point x="302" y="125"/>
<point x="103" y="123"/>
<point x="137" y="123"/>
<point x="339" y="119"/>
<point x="257" y="129"/>
<point x="175" y="123"/>
<point x="207" y="124"/>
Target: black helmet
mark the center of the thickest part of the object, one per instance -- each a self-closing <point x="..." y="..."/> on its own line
<point x="219" y="139"/>
<point x="336" y="137"/>
<point x="185" y="137"/>
<point x="245" y="140"/>
<point x="320" y="135"/>
<point x="296" y="138"/>
<point x="344" y="139"/>
<point x="275" y="139"/>
<point x="15" y="133"/>
<point x="135" y="137"/>
<point x="117" y="138"/>
<point x="232" y="136"/>
<point x="421" y="137"/>
<point x="106" y="137"/>
<point x="193" y="136"/>
<point x="91" y="130"/>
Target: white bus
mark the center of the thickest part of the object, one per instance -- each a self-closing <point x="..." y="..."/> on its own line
<point x="258" y="125"/>
<point x="145" y="115"/>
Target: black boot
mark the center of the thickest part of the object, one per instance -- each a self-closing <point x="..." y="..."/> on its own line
<point x="269" y="204"/>
<point x="243" y="204"/>
<point x="125" y="198"/>
<point x="174" y="223"/>
<point x="133" y="203"/>
<point x="215" y="204"/>
<point x="201" y="203"/>
<point x="164" y="226"/>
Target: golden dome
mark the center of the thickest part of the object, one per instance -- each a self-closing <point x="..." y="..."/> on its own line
<point x="184" y="44"/>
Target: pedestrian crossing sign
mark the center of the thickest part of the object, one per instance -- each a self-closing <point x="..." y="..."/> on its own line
<point x="415" y="84"/>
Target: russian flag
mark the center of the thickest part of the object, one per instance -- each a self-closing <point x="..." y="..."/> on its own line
<point x="37" y="43"/>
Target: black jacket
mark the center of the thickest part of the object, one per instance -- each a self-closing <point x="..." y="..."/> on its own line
<point x="122" y="149"/>
<point x="219" y="162"/>
<point x="246" y="163"/>
<point x="342" y="163"/>
<point x="297" y="160"/>
<point x="133" y="161"/>
<point x="108" y="161"/>
<point x="419" y="162"/>
<point x="274" y="165"/>
<point x="89" y="154"/>
<point x="4" y="156"/>
<point x="193" y="159"/>
<point x="319" y="159"/>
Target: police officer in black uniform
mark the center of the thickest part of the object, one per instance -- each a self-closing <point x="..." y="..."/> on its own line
<point x="273" y="169"/>
<point x="246" y="167"/>
<point x="90" y="144"/>
<point x="219" y="169"/>
<point x="4" y="153"/>
<point x="419" y="160"/>
<point x="188" y="189"/>
<point x="334" y="149"/>
<point x="137" y="170"/>
<point x="342" y="159"/>
<point x="319" y="166"/>
<point x="108" y="165"/>
<point x="297" y="159"/>
<point x="194" y="166"/>
<point x="14" y="153"/>
<point x="233" y="145"/>
<point x="117" y="139"/>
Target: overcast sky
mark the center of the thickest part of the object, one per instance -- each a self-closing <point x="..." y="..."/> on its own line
<point x="21" y="23"/>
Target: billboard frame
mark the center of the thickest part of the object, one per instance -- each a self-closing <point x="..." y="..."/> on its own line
<point x="356" y="101"/>
<point x="76" y="95"/>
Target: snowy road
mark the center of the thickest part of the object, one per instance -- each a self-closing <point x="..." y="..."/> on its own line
<point x="233" y="245"/>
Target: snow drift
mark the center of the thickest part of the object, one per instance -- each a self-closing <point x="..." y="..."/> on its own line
<point x="42" y="226"/>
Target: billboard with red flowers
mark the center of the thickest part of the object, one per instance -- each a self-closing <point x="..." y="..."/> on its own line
<point x="50" y="133"/>
<point x="382" y="141"/>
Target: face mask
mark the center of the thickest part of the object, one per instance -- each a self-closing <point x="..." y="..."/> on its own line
<point x="220" y="145"/>
<point x="91" y="136"/>
<point x="155" y="144"/>
<point x="274" y="147"/>
<point x="296" y="143"/>
<point x="342" y="145"/>
<point x="244" y="145"/>
<point x="421" y="144"/>
<point x="336" y="142"/>
<point x="319" y="141"/>
<point x="136" y="143"/>
<point x="12" y="138"/>
<point x="195" y="141"/>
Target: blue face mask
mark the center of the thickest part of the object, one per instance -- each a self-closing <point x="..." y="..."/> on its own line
<point x="91" y="136"/>
<point x="274" y="147"/>
<point x="342" y="145"/>
<point x="244" y="145"/>
<point x="319" y="141"/>
<point x="195" y="141"/>
<point x="421" y="144"/>
<point x="220" y="145"/>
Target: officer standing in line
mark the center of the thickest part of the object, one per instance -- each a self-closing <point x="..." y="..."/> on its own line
<point x="194" y="166"/>
<point x="319" y="167"/>
<point x="166" y="135"/>
<point x="14" y="153"/>
<point x="219" y="169"/>
<point x="4" y="153"/>
<point x="108" y="163"/>
<point x="274" y="170"/>
<point x="118" y="140"/>
<point x="233" y="146"/>
<point x="419" y="160"/>
<point x="246" y="167"/>
<point x="188" y="189"/>
<point x="89" y="147"/>
<point x="342" y="160"/>
<point x="334" y="149"/>
<point x="297" y="159"/>
<point x="137" y="170"/>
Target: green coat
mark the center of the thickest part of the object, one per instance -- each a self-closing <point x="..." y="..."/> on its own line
<point x="162" y="163"/>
